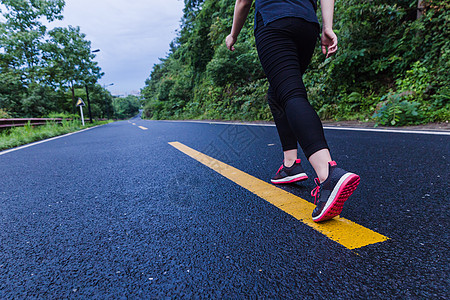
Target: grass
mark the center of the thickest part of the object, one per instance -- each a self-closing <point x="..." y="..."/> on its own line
<point x="18" y="136"/>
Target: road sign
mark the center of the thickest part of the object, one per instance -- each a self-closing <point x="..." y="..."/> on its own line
<point x="80" y="102"/>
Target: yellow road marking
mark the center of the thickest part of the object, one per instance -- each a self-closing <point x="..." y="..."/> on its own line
<point x="340" y="230"/>
<point x="134" y="124"/>
<point x="143" y="128"/>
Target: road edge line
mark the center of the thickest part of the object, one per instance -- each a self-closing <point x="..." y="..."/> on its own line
<point x="382" y="130"/>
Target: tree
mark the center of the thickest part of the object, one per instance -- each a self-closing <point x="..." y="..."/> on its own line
<point x="388" y="60"/>
<point x="22" y="34"/>
<point x="69" y="60"/>
<point x="37" y="66"/>
<point x="126" y="107"/>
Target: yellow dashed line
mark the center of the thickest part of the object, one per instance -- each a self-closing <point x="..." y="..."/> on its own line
<point x="340" y="230"/>
<point x="134" y="124"/>
<point x="143" y="128"/>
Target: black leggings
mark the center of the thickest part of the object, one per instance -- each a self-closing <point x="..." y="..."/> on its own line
<point x="285" y="48"/>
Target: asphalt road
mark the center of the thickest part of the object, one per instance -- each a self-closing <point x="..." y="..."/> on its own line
<point x="117" y="212"/>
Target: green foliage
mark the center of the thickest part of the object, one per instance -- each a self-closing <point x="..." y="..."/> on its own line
<point x="62" y="115"/>
<point x="68" y="58"/>
<point x="391" y="67"/>
<point x="22" y="32"/>
<point x="100" y="98"/>
<point x="201" y="78"/>
<point x="4" y="114"/>
<point x="23" y="135"/>
<point x="384" y="50"/>
<point x="37" y="66"/>
<point x="237" y="67"/>
<point x="126" y="107"/>
<point x="396" y="111"/>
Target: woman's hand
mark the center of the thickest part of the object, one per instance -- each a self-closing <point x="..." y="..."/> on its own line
<point x="241" y="9"/>
<point x="329" y="42"/>
<point x="230" y="41"/>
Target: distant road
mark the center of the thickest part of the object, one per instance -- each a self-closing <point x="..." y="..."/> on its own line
<point x="116" y="211"/>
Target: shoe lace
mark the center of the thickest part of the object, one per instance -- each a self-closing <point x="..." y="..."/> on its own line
<point x="316" y="191"/>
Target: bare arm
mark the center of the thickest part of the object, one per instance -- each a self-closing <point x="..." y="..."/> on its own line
<point x="241" y="9"/>
<point x="329" y="38"/>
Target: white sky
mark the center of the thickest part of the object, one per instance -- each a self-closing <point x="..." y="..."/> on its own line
<point x="131" y="35"/>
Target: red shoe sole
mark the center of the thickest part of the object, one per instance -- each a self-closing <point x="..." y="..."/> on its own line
<point x="345" y="191"/>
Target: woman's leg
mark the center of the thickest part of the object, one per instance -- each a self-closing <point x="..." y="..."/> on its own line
<point x="287" y="137"/>
<point x="290" y="156"/>
<point x="319" y="161"/>
<point x="285" y="48"/>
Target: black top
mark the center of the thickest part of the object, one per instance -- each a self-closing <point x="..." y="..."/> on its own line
<point x="272" y="10"/>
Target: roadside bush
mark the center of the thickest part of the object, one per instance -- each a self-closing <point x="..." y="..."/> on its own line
<point x="395" y="111"/>
<point x="391" y="67"/>
<point x="4" y="114"/>
<point x="17" y="136"/>
<point x="62" y="115"/>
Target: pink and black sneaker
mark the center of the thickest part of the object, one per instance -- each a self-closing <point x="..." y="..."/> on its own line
<point x="292" y="174"/>
<point x="331" y="194"/>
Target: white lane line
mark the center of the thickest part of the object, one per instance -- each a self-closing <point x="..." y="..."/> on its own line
<point x="390" y="130"/>
<point x="219" y="123"/>
<point x="45" y="141"/>
<point x="325" y="127"/>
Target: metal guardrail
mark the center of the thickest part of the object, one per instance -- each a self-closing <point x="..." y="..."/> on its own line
<point x="8" y="123"/>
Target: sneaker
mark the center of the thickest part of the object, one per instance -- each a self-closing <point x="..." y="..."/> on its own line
<point x="331" y="194"/>
<point x="294" y="173"/>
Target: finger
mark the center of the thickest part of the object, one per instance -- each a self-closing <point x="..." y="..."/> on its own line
<point x="324" y="49"/>
<point x="334" y="45"/>
<point x="331" y="51"/>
